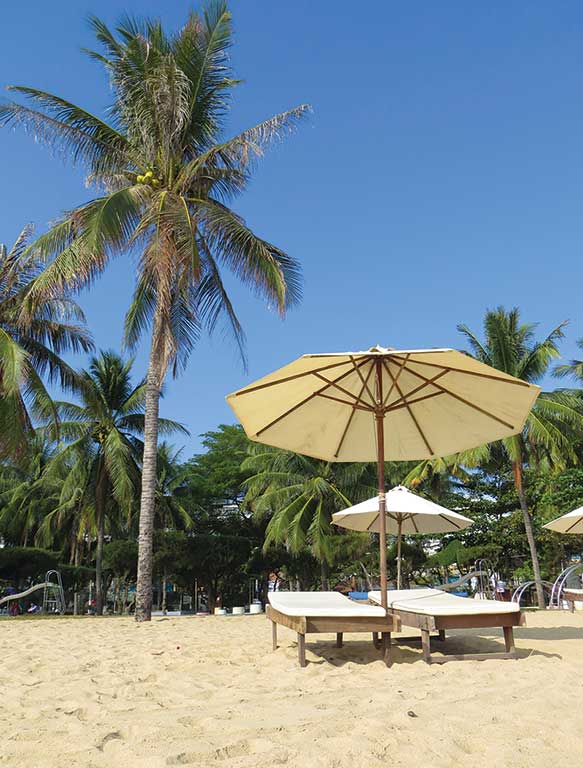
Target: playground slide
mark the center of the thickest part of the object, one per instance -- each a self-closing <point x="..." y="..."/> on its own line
<point x="453" y="585"/>
<point x="30" y="590"/>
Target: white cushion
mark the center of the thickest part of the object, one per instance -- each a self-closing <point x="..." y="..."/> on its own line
<point x="321" y="604"/>
<point x="434" y="602"/>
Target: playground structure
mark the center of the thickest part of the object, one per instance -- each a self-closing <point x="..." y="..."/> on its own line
<point x="558" y="592"/>
<point x="486" y="580"/>
<point x="562" y="592"/>
<point x="53" y="594"/>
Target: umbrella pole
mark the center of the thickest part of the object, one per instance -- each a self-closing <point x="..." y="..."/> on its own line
<point x="379" y="417"/>
<point x="399" y="532"/>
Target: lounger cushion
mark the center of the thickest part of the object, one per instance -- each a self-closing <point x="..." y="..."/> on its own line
<point x="434" y="602"/>
<point x="321" y="604"/>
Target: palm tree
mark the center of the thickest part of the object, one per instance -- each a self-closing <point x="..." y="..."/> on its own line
<point x="574" y="368"/>
<point x="25" y="497"/>
<point x="302" y="493"/>
<point x="172" y="483"/>
<point x="31" y="347"/>
<point x="103" y="444"/>
<point x="167" y="176"/>
<point x="555" y="423"/>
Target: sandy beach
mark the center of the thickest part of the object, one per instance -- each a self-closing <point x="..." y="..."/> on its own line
<point x="90" y="693"/>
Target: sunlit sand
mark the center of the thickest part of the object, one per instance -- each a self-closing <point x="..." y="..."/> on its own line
<point x="210" y="691"/>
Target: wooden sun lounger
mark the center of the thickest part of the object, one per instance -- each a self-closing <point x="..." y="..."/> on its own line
<point x="432" y="610"/>
<point x="571" y="595"/>
<point x="319" y="612"/>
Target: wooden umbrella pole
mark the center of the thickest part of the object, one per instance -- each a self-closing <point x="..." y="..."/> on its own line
<point x="399" y="533"/>
<point x="379" y="417"/>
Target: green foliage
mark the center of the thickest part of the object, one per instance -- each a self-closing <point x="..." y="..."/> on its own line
<point x="299" y="494"/>
<point x="120" y="558"/>
<point x="30" y="347"/>
<point x="216" y="476"/>
<point x="19" y="563"/>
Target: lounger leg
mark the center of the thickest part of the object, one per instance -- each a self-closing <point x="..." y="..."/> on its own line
<point x="376" y="640"/>
<point x="386" y="646"/>
<point x="509" y="639"/>
<point x="274" y="634"/>
<point x="442" y="634"/>
<point x="302" y="649"/>
<point x="426" y="646"/>
<point x="339" y="640"/>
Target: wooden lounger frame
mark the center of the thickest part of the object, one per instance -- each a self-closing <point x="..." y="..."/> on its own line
<point x="304" y="625"/>
<point x="427" y="624"/>
<point x="571" y="598"/>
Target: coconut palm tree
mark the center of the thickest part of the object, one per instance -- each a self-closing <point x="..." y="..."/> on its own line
<point x="301" y="494"/>
<point x="166" y="175"/>
<point x="573" y="369"/>
<point x="25" y="497"/>
<point x="31" y="347"/>
<point x="103" y="445"/>
<point x="555" y="424"/>
<point x="172" y="483"/>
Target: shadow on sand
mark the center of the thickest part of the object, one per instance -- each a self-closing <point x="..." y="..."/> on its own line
<point x="407" y="650"/>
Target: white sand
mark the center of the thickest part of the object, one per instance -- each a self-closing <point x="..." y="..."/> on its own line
<point x="90" y="693"/>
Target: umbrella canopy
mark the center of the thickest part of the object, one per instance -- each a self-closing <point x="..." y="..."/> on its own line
<point x="572" y="522"/>
<point x="405" y="513"/>
<point x="383" y="404"/>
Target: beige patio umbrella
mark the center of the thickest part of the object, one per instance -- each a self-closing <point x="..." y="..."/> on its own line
<point x="572" y="522"/>
<point x="405" y="513"/>
<point x="383" y="404"/>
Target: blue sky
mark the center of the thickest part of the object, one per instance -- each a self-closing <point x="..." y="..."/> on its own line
<point x="441" y="173"/>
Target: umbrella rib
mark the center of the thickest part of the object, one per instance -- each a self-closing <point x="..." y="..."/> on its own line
<point x="419" y="388"/>
<point x="351" y="404"/>
<point x="451" y="522"/>
<point x="247" y="390"/>
<point x="570" y="528"/>
<point x="399" y="372"/>
<point x="462" y="399"/>
<point x="301" y="403"/>
<point x="363" y="380"/>
<point x="411" y="402"/>
<point x="414" y="524"/>
<point x="448" y="368"/>
<point x="347" y="392"/>
<point x="369" y="529"/>
<point x="409" y="411"/>
<point x="351" y="416"/>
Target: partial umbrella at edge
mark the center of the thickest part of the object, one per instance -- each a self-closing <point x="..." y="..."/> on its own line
<point x="383" y="404"/>
<point x="572" y="522"/>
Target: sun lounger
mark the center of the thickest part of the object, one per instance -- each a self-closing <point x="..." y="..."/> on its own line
<point x="311" y="612"/>
<point x="432" y="610"/>
<point x="572" y="595"/>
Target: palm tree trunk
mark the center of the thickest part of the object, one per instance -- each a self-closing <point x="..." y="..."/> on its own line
<point x="146" y="533"/>
<point x="164" y="595"/>
<point x="100" y="502"/>
<point x="518" y="482"/>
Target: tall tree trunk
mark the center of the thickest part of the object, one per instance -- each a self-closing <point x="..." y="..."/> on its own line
<point x="518" y="482"/>
<point x="164" y="595"/>
<point x="100" y="503"/>
<point x="324" y="575"/>
<point x="146" y="534"/>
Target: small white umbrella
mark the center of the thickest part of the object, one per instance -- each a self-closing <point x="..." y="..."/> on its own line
<point x="406" y="513"/>
<point x="572" y="522"/>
